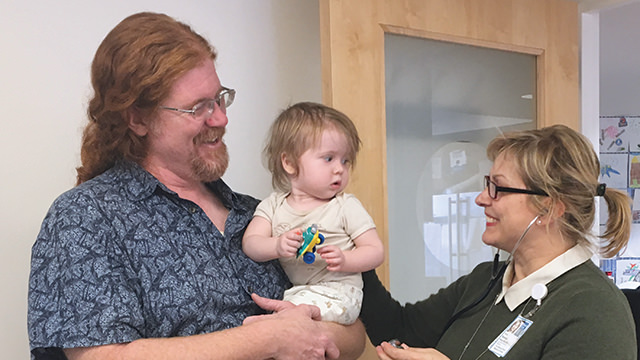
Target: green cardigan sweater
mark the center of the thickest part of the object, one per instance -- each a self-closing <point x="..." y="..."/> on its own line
<point x="584" y="316"/>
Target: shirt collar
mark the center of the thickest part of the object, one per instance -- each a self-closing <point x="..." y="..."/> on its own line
<point x="519" y="292"/>
<point x="140" y="184"/>
<point x="227" y="196"/>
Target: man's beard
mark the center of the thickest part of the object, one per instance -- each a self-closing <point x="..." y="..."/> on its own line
<point x="214" y="165"/>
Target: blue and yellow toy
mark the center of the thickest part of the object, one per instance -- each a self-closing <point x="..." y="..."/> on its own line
<point x="310" y="238"/>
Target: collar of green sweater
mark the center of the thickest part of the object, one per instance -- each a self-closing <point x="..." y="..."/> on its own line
<point x="516" y="294"/>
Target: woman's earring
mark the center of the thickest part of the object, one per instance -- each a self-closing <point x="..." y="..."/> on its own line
<point x="539" y="222"/>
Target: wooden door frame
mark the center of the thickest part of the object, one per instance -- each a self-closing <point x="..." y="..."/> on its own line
<point x="352" y="42"/>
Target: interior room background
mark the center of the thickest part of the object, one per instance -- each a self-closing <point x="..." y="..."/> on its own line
<point x="269" y="50"/>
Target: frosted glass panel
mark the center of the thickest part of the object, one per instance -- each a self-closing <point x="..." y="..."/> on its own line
<point x="444" y="103"/>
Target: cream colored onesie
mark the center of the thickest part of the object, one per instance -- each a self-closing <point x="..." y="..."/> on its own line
<point x="337" y="294"/>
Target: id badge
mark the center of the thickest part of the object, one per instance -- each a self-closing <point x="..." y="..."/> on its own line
<point x="510" y="336"/>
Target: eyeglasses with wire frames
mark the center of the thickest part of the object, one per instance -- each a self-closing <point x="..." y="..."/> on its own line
<point x="494" y="189"/>
<point x="203" y="110"/>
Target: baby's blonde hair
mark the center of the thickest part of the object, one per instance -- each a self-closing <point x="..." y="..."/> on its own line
<point x="299" y="128"/>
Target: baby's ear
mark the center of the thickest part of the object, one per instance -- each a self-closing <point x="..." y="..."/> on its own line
<point x="288" y="165"/>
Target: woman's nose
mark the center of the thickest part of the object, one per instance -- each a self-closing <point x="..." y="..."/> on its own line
<point x="483" y="198"/>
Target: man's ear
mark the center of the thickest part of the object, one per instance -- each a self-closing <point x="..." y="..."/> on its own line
<point x="287" y="165"/>
<point x="136" y="122"/>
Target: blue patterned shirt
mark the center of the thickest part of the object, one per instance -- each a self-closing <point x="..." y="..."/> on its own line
<point x="121" y="257"/>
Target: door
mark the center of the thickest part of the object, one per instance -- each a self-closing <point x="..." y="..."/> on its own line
<point x="444" y="102"/>
<point x="353" y="69"/>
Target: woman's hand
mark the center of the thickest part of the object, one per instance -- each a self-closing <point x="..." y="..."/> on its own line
<point x="387" y="352"/>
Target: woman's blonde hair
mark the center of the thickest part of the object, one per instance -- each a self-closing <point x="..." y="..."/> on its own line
<point x="299" y="128"/>
<point x="133" y="70"/>
<point x="562" y="163"/>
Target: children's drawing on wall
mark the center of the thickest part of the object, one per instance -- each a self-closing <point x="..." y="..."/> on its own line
<point x="635" y="205"/>
<point x="620" y="169"/>
<point x="633" y="131"/>
<point x="614" y="134"/>
<point x="613" y="170"/>
<point x="634" y="170"/>
<point x="627" y="269"/>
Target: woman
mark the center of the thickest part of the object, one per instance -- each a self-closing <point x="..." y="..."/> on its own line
<point x="539" y="205"/>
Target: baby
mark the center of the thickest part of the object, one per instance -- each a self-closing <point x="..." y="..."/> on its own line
<point x="310" y="150"/>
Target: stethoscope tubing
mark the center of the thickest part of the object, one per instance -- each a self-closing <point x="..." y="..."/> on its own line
<point x="495" y="276"/>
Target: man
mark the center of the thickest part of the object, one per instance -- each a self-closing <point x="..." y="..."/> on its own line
<point x="143" y="259"/>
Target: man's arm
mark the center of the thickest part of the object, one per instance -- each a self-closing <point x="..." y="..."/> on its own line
<point x="291" y="334"/>
<point x="348" y="338"/>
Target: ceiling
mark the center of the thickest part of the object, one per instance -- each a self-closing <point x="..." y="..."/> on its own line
<point x="619" y="59"/>
<point x="590" y="5"/>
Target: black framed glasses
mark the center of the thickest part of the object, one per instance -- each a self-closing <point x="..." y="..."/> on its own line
<point x="494" y="189"/>
<point x="203" y="110"/>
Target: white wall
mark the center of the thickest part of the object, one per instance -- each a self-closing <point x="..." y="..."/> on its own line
<point x="268" y="50"/>
<point x="620" y="60"/>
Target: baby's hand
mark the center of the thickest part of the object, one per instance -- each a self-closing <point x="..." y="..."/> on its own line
<point x="333" y="256"/>
<point x="288" y="243"/>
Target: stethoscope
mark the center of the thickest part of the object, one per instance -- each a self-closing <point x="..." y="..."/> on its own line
<point x="497" y="272"/>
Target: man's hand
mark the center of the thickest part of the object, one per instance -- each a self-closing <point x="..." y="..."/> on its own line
<point x="298" y="326"/>
<point x="278" y="306"/>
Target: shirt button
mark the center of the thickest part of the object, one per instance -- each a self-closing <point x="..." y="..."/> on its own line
<point x="250" y="289"/>
<point x="193" y="209"/>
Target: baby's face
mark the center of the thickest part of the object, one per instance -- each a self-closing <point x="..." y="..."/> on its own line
<point x="324" y="169"/>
